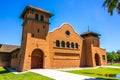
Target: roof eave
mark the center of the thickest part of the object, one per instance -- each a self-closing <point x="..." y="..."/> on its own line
<point x="90" y="33"/>
<point x="28" y="7"/>
<point x="22" y="14"/>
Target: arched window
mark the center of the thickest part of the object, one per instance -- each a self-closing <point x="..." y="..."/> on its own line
<point x="68" y="45"/>
<point x="72" y="45"/>
<point x="42" y="18"/>
<point x="76" y="45"/>
<point x="63" y="44"/>
<point x="57" y="43"/>
<point x="36" y="17"/>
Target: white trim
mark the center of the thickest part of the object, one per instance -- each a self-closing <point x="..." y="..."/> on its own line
<point x="61" y="26"/>
<point x="57" y="28"/>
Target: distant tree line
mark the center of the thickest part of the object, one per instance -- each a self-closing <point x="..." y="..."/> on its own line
<point x="113" y="57"/>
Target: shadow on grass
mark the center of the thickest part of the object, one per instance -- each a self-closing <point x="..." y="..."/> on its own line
<point x="98" y="78"/>
<point x="4" y="71"/>
<point x="110" y="76"/>
<point x="95" y="79"/>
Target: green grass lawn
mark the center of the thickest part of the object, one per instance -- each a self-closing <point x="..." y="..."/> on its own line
<point x="115" y="64"/>
<point x="98" y="72"/>
<point x="6" y="75"/>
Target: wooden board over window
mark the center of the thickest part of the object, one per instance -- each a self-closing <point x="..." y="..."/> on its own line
<point x="70" y="56"/>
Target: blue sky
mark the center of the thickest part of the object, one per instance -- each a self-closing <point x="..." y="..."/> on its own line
<point x="79" y="13"/>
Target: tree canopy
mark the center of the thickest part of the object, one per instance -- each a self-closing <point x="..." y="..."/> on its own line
<point x="112" y="56"/>
<point x="112" y="5"/>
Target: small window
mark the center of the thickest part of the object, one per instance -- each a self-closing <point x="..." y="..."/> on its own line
<point x="12" y="56"/>
<point x="76" y="45"/>
<point x="103" y="57"/>
<point x="36" y="17"/>
<point x="67" y="33"/>
<point x="72" y="45"/>
<point x="32" y="35"/>
<point x="5" y="58"/>
<point x="57" y="43"/>
<point x="63" y="44"/>
<point x="68" y="45"/>
<point x="16" y="55"/>
<point x="38" y="30"/>
<point x="43" y="27"/>
<point x="32" y="11"/>
<point x="42" y="18"/>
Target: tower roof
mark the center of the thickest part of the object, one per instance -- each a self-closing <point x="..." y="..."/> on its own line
<point x="36" y="9"/>
<point x="85" y="34"/>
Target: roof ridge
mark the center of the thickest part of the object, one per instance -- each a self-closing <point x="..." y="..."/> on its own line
<point x="10" y="45"/>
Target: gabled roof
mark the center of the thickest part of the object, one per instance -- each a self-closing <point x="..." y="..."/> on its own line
<point x="8" y="48"/>
<point x="37" y="9"/>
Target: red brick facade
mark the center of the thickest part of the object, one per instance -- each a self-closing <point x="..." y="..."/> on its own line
<point x="60" y="48"/>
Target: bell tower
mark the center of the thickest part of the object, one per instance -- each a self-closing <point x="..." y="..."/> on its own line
<point x="90" y="40"/>
<point x="34" y="31"/>
<point x="36" y="22"/>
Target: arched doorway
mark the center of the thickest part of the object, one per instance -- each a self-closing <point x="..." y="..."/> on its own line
<point x="97" y="59"/>
<point x="37" y="59"/>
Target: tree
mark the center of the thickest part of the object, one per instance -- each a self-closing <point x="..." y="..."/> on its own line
<point x="119" y="57"/>
<point x="111" y="5"/>
<point x="112" y="56"/>
<point x="109" y="56"/>
<point x="118" y="52"/>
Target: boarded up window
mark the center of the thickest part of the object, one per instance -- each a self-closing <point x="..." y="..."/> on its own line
<point x="66" y="56"/>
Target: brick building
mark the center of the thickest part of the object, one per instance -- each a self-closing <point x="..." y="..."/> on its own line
<point x="61" y="48"/>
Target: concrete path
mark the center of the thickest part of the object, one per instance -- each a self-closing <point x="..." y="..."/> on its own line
<point x="110" y="66"/>
<point x="76" y="68"/>
<point x="83" y="68"/>
<point x="59" y="75"/>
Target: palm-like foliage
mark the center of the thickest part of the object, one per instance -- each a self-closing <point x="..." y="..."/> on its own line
<point x="112" y="5"/>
